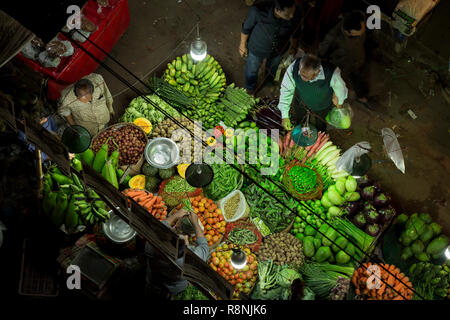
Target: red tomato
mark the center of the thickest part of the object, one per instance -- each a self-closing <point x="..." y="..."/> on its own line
<point x="233" y="282"/>
<point x="249" y="274"/>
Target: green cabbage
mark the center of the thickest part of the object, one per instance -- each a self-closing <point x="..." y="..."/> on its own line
<point x="286" y="276"/>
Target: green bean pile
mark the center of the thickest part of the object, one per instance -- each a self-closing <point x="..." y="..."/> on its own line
<point x="226" y="179"/>
<point x="242" y="236"/>
<point x="303" y="179"/>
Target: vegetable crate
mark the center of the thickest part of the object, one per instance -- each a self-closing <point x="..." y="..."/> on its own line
<point x="136" y="167"/>
<point x="287" y="182"/>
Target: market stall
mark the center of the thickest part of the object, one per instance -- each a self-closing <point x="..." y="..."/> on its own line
<point x="101" y="25"/>
<point x="309" y="230"/>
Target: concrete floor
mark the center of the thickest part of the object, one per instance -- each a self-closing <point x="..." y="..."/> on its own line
<point x="159" y="31"/>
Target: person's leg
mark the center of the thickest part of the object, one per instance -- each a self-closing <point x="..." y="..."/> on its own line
<point x="272" y="67"/>
<point x="359" y="84"/>
<point x="251" y="71"/>
<point x="320" y="121"/>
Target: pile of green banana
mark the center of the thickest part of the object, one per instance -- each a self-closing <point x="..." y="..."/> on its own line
<point x="67" y="202"/>
<point x="202" y="81"/>
<point x="235" y="105"/>
<point x="100" y="162"/>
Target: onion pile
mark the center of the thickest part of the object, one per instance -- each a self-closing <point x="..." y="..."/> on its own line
<point x="131" y="142"/>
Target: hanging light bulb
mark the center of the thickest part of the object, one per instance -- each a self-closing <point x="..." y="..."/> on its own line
<point x="447" y="253"/>
<point x="238" y="259"/>
<point x="198" y="48"/>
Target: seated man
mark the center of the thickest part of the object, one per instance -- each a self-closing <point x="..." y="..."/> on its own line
<point x="88" y="103"/>
<point x="48" y="122"/>
<point x="159" y="273"/>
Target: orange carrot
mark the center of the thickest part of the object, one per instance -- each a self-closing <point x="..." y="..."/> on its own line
<point x="152" y="201"/>
<point x="135" y="193"/>
<point x="382" y="289"/>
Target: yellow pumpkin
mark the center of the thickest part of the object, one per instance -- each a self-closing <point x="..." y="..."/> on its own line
<point x="144" y="124"/>
<point x="182" y="169"/>
<point x="137" y="182"/>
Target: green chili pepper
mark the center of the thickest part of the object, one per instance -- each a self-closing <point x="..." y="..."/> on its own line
<point x="48" y="180"/>
<point x="115" y="155"/>
<point x="100" y="157"/>
<point x="55" y="169"/>
<point x="113" y="175"/>
<point x="76" y="164"/>
<point x="77" y="181"/>
<point x="61" y="179"/>
<point x="88" y="156"/>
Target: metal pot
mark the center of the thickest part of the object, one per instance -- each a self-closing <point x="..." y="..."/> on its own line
<point x="117" y="230"/>
<point x="162" y="153"/>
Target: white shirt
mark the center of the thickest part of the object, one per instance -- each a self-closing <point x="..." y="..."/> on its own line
<point x="287" y="89"/>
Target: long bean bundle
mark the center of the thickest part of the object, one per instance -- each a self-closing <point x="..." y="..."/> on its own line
<point x="175" y="96"/>
<point x="242" y="236"/>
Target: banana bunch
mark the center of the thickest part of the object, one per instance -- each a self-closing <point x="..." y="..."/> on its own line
<point x="235" y="105"/>
<point x="89" y="211"/>
<point x="66" y="201"/>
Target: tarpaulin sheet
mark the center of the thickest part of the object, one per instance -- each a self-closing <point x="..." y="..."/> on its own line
<point x="111" y="23"/>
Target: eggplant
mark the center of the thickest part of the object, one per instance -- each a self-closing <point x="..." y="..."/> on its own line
<point x="364" y="181"/>
<point x="372" y="229"/>
<point x="360" y="220"/>
<point x="377" y="186"/>
<point x="352" y="208"/>
<point x="381" y="200"/>
<point x="368" y="193"/>
<point x="386" y="214"/>
<point x="372" y="216"/>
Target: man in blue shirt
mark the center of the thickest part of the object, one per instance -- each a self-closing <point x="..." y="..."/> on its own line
<point x="159" y="272"/>
<point x="266" y="34"/>
<point x="48" y="122"/>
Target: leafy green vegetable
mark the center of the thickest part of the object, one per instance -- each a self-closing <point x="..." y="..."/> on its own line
<point x="286" y="276"/>
<point x="140" y="108"/>
<point x="191" y="293"/>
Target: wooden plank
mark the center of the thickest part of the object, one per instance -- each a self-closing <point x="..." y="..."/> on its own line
<point x="164" y="240"/>
<point x="48" y="143"/>
<point x="7" y="113"/>
<point x="198" y="271"/>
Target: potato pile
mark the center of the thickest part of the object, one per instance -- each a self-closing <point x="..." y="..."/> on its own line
<point x="282" y="248"/>
<point x="184" y="141"/>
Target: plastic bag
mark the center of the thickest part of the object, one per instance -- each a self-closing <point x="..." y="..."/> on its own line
<point x="346" y="161"/>
<point x="340" y="118"/>
<point x="393" y="148"/>
<point x="48" y="62"/>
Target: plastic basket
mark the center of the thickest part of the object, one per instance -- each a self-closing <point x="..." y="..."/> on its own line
<point x="243" y="209"/>
<point x="287" y="182"/>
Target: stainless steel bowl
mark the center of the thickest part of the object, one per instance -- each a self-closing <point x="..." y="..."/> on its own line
<point x="162" y="153"/>
<point x="117" y="230"/>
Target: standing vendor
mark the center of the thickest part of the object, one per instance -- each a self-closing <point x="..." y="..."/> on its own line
<point x="271" y="29"/>
<point x="88" y="103"/>
<point x="318" y="85"/>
